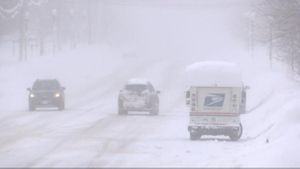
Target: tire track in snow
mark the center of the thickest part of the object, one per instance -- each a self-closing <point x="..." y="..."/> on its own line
<point x="170" y="78"/>
<point x="27" y="131"/>
<point x="102" y="123"/>
<point x="120" y="145"/>
<point x="118" y="148"/>
<point x="108" y="143"/>
<point x="120" y="76"/>
<point x="269" y="127"/>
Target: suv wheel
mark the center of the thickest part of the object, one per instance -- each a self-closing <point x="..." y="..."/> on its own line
<point x="155" y="108"/>
<point x="122" y="111"/>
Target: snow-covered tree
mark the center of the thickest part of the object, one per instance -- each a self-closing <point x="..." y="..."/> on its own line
<point x="279" y="26"/>
<point x="47" y="25"/>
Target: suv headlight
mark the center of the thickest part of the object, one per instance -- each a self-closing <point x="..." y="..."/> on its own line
<point x="57" y="95"/>
<point x="31" y="95"/>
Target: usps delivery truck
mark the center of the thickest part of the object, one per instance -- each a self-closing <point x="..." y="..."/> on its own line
<point x="216" y="98"/>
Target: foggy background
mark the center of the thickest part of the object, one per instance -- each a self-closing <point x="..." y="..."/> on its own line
<point x="156" y="28"/>
<point x="94" y="46"/>
<point x="151" y="29"/>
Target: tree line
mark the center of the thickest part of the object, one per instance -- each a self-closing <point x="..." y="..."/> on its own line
<point x="46" y="25"/>
<point x="277" y="24"/>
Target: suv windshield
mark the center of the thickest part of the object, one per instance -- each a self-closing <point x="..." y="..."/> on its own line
<point x="46" y="85"/>
<point x="136" y="87"/>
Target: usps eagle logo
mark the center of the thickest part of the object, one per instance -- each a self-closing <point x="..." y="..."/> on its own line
<point x="214" y="100"/>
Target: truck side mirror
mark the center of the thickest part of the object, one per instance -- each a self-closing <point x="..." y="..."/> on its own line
<point x="187" y="94"/>
<point x="187" y="97"/>
<point x="158" y="92"/>
<point x="28" y="89"/>
<point x="63" y="88"/>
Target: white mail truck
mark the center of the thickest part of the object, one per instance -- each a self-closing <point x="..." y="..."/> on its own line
<point x="216" y="98"/>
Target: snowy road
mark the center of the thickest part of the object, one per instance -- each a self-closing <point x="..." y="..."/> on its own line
<point x="89" y="133"/>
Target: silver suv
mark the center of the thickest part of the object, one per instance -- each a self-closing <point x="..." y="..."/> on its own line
<point x="138" y="95"/>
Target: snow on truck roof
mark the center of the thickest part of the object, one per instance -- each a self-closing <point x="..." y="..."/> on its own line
<point x="214" y="73"/>
<point x="137" y="81"/>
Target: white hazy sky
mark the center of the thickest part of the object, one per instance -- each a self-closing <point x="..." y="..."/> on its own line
<point x="174" y="28"/>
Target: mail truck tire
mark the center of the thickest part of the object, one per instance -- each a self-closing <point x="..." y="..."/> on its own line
<point x="236" y="134"/>
<point x="194" y="136"/>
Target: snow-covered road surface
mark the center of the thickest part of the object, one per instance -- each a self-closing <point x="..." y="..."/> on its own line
<point x="89" y="133"/>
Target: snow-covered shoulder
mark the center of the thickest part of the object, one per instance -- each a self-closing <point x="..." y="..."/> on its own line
<point x="214" y="73"/>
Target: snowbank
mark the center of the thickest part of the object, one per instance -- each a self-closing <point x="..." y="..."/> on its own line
<point x="214" y="73"/>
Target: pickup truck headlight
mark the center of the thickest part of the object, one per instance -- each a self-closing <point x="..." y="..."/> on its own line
<point x="31" y="95"/>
